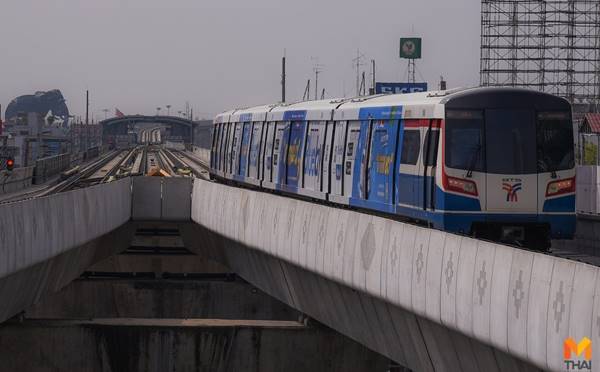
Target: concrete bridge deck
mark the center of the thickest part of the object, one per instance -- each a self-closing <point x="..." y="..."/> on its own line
<point x="426" y="299"/>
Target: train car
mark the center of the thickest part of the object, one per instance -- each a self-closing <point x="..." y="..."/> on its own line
<point x="495" y="163"/>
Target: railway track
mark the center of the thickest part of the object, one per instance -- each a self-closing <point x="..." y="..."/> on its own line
<point x="198" y="167"/>
<point x="85" y="173"/>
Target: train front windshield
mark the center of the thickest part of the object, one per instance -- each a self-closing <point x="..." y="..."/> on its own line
<point x="511" y="142"/>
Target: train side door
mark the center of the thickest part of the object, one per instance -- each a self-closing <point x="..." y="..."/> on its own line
<point x="351" y="153"/>
<point x="313" y="155"/>
<point x="380" y="181"/>
<point x="295" y="152"/>
<point x="429" y="163"/>
<point x="253" y="161"/>
<point x="408" y="177"/>
<point x="280" y="152"/>
<point x="262" y="151"/>
<point x="337" y="160"/>
<point x="326" y="178"/>
<point x="220" y="140"/>
<point x="245" y="148"/>
<point x="268" y="151"/>
<point x="235" y="153"/>
<point x="230" y="149"/>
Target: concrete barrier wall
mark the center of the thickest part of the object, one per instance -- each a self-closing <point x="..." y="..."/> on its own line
<point x="180" y="146"/>
<point x="15" y="180"/>
<point x="202" y="154"/>
<point x="520" y="302"/>
<point x="49" y="167"/>
<point x="162" y="199"/>
<point x="36" y="230"/>
<point x="588" y="185"/>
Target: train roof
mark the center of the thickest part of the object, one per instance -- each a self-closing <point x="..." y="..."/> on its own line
<point x="412" y="105"/>
<point x="256" y="113"/>
<point x="223" y="117"/>
<point x="310" y="110"/>
<point x="425" y="105"/>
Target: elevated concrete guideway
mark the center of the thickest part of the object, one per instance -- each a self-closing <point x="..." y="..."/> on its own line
<point x="47" y="242"/>
<point x="429" y="300"/>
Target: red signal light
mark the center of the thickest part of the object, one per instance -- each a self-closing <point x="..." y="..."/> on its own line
<point x="10" y="164"/>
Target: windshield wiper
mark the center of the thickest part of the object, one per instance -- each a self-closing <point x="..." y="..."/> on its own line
<point x="473" y="161"/>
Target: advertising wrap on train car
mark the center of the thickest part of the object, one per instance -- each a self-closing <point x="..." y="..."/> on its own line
<point x="294" y="115"/>
<point x="377" y="193"/>
<point x="244" y="149"/>
<point x="245" y="117"/>
<point x="400" y="88"/>
<point x="295" y="151"/>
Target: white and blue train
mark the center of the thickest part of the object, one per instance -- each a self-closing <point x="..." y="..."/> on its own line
<point x="495" y="163"/>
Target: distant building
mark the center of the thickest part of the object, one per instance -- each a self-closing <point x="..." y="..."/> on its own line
<point x="51" y="105"/>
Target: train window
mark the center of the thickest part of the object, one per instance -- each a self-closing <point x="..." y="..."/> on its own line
<point x="554" y="142"/>
<point x="464" y="140"/>
<point x="411" y="146"/>
<point x="509" y="145"/>
<point x="431" y="146"/>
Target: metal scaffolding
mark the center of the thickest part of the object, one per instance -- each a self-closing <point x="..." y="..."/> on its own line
<point x="551" y="46"/>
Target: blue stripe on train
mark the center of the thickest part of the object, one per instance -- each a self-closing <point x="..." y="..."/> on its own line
<point x="562" y="204"/>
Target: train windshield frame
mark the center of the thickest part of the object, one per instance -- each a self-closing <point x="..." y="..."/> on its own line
<point x="464" y="140"/>
<point x="555" y="140"/>
<point x="509" y="141"/>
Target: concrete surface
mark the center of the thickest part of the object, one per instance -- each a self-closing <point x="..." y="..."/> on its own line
<point x="208" y="298"/>
<point x="48" y="345"/>
<point x="453" y="286"/>
<point x="47" y="242"/>
<point x="161" y="199"/>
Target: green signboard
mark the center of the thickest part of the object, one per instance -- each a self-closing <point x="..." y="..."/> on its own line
<point x="410" y="48"/>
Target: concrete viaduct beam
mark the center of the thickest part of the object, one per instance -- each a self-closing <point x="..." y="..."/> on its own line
<point x="455" y="303"/>
<point x="47" y="242"/>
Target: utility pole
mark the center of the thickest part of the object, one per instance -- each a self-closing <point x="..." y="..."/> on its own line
<point x="192" y="127"/>
<point x="87" y="107"/>
<point x="306" y="95"/>
<point x="363" y="85"/>
<point x="373" y="81"/>
<point x="283" y="78"/>
<point x="323" y="94"/>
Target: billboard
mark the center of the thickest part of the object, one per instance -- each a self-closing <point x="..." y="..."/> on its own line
<point x="410" y="48"/>
<point x="397" y="88"/>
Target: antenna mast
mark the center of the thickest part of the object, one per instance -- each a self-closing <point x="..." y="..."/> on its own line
<point x="318" y="68"/>
<point x="358" y="61"/>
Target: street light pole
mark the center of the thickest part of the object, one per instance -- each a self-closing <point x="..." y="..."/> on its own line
<point x="168" y="110"/>
<point x="157" y="111"/>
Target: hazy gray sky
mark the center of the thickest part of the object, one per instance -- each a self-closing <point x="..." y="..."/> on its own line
<point x="140" y="54"/>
